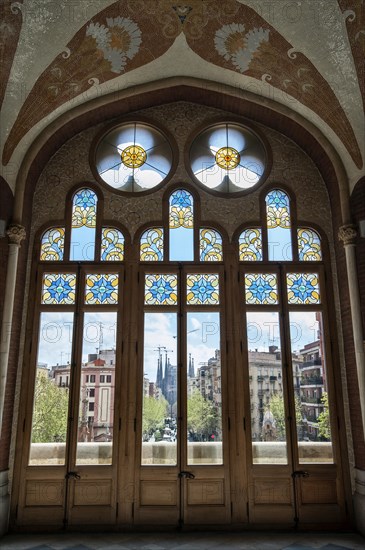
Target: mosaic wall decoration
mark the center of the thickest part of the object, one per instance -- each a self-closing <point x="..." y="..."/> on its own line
<point x="309" y="245"/>
<point x="202" y="289"/>
<point x="303" y="288"/>
<point x="151" y="247"/>
<point x="52" y="246"/>
<point x="250" y="245"/>
<point x="58" y="288"/>
<point x="112" y="245"/>
<point x="210" y="245"/>
<point x="277" y="209"/>
<point x="101" y="288"/>
<point x="261" y="288"/>
<point x="181" y="210"/>
<point x="160" y="289"/>
<point x="84" y="208"/>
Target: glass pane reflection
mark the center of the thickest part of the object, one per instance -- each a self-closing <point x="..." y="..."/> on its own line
<point x="204" y="389"/>
<point x="268" y="410"/>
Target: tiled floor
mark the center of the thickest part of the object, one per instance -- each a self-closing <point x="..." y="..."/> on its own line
<point x="184" y="541"/>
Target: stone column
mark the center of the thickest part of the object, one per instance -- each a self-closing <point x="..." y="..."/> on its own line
<point x="347" y="234"/>
<point x="16" y="233"/>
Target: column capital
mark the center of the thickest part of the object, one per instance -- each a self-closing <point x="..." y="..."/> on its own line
<point x="16" y="233"/>
<point x="347" y="234"/>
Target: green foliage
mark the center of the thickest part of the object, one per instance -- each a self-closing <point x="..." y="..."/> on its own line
<point x="50" y="411"/>
<point x="202" y="416"/>
<point x="154" y="414"/>
<point x="277" y="408"/>
<point x="324" y="419"/>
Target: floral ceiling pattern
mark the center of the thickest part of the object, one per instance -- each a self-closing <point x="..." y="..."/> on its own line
<point x="231" y="35"/>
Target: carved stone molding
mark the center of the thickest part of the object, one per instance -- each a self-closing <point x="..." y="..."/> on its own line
<point x="16" y="233"/>
<point x="347" y="234"/>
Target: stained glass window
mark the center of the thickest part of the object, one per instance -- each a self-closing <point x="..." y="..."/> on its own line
<point x="133" y="157"/>
<point x="261" y="288"/>
<point x="101" y="288"/>
<point x="303" y="288"/>
<point x="309" y="245"/>
<point x="53" y="242"/>
<point x="83" y="225"/>
<point x="250" y="245"/>
<point x="151" y="249"/>
<point x="160" y="289"/>
<point x="58" y="288"/>
<point x="112" y="245"/>
<point x="228" y="158"/>
<point x="210" y="246"/>
<point x="181" y="223"/>
<point x="202" y="288"/>
<point x="278" y="226"/>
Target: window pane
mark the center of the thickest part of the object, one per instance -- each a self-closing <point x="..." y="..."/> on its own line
<point x="53" y="242"/>
<point x="51" y="393"/>
<point x="303" y="288"/>
<point x="278" y="226"/>
<point x="181" y="223"/>
<point x="58" y="288"/>
<point x="309" y="245"/>
<point x="101" y="288"/>
<point x="96" y="410"/>
<point x="151" y="249"/>
<point x="159" y="415"/>
<point x="261" y="288"/>
<point x="112" y="245"/>
<point x="311" y="388"/>
<point x="250" y="245"/>
<point x="268" y="411"/>
<point x="210" y="246"/>
<point x="160" y="289"/>
<point x="204" y="385"/>
<point x="83" y="225"/>
<point x="202" y="289"/>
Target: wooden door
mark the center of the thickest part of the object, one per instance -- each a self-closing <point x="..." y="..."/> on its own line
<point x="182" y="459"/>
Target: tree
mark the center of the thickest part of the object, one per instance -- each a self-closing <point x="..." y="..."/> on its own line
<point x="202" y="416"/>
<point x="50" y="411"/>
<point x="154" y="413"/>
<point x="277" y="408"/>
<point x="324" y="427"/>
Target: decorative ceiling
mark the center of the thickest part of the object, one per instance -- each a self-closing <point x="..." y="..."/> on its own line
<point x="307" y="55"/>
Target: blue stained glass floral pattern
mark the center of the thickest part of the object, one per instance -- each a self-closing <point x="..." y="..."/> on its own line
<point x="151" y="249"/>
<point x="160" y="289"/>
<point x="309" y="245"/>
<point x="181" y="209"/>
<point x="303" y="288"/>
<point x="112" y="245"/>
<point x="277" y="209"/>
<point x="101" y="288"/>
<point x="202" y="289"/>
<point x="211" y="249"/>
<point x="53" y="242"/>
<point x="58" y="288"/>
<point x="84" y="208"/>
<point x="261" y="288"/>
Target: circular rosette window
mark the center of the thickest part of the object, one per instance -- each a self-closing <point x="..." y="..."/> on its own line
<point x="228" y="158"/>
<point x="133" y="157"/>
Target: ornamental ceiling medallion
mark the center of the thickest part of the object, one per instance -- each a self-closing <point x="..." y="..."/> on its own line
<point x="127" y="35"/>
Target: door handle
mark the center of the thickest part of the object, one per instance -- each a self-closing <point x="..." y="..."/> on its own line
<point x="300" y="473"/>
<point x="185" y="474"/>
<point x="73" y="475"/>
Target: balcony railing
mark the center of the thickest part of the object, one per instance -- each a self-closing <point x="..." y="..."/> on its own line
<point x="311" y="380"/>
<point x="315" y="400"/>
